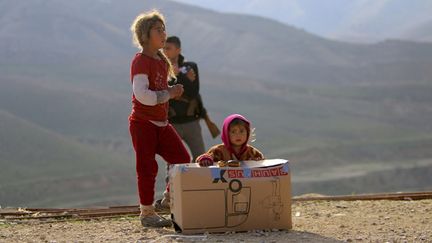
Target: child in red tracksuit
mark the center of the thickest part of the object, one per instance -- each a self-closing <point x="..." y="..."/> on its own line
<point x="235" y="136"/>
<point x="148" y="122"/>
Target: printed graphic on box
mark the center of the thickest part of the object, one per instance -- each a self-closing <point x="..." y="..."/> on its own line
<point x="256" y="195"/>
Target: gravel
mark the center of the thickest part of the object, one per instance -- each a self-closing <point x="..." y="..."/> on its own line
<point x="314" y="221"/>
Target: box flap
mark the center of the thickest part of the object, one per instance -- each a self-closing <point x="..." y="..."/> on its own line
<point x="263" y="163"/>
<point x="243" y="164"/>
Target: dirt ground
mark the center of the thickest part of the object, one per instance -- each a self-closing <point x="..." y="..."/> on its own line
<point x="314" y="221"/>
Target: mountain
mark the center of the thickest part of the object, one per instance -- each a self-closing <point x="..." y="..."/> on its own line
<point x="421" y="31"/>
<point x="378" y="20"/>
<point x="40" y="167"/>
<point x="356" y="21"/>
<point x="220" y="45"/>
<point x="337" y="110"/>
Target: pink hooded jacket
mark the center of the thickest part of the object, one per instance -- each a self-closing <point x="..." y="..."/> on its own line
<point x="225" y="151"/>
<point x="225" y="133"/>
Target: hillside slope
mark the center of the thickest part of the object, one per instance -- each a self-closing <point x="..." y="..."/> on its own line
<point x="98" y="34"/>
<point x="334" y="109"/>
<point x="40" y="167"/>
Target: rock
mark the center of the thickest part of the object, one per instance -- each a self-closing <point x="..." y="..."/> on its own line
<point x="341" y="206"/>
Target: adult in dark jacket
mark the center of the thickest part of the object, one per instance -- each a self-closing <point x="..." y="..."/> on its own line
<point x="186" y="111"/>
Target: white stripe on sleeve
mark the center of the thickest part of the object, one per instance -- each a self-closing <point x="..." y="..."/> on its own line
<point x="144" y="95"/>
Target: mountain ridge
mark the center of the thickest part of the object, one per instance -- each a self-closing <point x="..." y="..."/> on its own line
<point x="327" y="102"/>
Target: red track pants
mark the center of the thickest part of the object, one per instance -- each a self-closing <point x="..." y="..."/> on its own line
<point x="149" y="140"/>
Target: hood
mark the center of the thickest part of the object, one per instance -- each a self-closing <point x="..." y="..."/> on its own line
<point x="225" y="133"/>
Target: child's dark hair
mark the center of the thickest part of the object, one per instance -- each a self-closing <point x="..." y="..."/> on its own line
<point x="239" y="122"/>
<point x="174" y="40"/>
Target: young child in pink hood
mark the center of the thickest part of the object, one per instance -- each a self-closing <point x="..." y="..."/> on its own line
<point x="235" y="136"/>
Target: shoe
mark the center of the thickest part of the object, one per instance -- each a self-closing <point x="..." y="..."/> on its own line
<point x="155" y="220"/>
<point x="162" y="205"/>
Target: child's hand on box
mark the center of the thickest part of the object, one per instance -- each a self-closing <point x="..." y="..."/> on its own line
<point x="205" y="160"/>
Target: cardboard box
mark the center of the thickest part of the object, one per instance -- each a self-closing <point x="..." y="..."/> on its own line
<point x="254" y="196"/>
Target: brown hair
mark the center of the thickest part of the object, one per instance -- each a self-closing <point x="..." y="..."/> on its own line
<point x="140" y="29"/>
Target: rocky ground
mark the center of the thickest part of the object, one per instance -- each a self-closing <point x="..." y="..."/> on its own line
<point x="313" y="221"/>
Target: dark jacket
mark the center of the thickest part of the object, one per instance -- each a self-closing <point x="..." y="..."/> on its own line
<point x="189" y="107"/>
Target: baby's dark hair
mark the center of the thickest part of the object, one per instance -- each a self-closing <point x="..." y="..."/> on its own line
<point x="250" y="131"/>
<point x="240" y="122"/>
